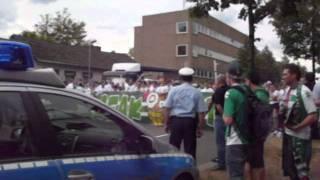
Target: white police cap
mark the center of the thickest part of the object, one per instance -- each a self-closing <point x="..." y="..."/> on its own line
<point x="186" y="71"/>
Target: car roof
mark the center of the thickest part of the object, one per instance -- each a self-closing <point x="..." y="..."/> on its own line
<point x="34" y="76"/>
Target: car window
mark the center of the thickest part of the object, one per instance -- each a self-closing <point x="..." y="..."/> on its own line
<point x="82" y="127"/>
<point x="14" y="141"/>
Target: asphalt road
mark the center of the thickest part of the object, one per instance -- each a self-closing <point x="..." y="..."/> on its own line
<point x="206" y="148"/>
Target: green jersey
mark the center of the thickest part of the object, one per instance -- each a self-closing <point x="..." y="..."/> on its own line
<point x="235" y="106"/>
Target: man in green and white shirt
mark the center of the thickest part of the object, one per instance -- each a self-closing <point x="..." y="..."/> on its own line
<point x="234" y="116"/>
<point x="256" y="148"/>
<point x="300" y="115"/>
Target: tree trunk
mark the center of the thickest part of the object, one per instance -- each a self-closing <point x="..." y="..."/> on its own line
<point x="314" y="37"/>
<point x="251" y="35"/>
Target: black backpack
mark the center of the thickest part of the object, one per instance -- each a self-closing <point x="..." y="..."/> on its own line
<point x="259" y="117"/>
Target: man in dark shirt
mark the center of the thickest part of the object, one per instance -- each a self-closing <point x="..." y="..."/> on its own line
<point x="218" y="101"/>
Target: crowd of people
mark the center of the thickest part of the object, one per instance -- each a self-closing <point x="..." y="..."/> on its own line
<point x="293" y="106"/>
<point x="294" y="112"/>
<point x="160" y="85"/>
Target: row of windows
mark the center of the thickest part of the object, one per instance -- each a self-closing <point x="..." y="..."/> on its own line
<point x="72" y="74"/>
<point x="203" y="73"/>
<point x="198" y="28"/>
<point x="198" y="50"/>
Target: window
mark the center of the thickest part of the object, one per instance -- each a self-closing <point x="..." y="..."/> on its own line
<point x="85" y="75"/>
<point x="182" y="27"/>
<point x="182" y="50"/>
<point x="70" y="74"/>
<point x="14" y="141"/>
<point x="82" y="127"/>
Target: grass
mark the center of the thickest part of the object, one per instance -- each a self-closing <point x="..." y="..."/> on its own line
<point x="273" y="151"/>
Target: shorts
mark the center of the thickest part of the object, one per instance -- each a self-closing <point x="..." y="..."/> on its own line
<point x="255" y="154"/>
<point x="236" y="156"/>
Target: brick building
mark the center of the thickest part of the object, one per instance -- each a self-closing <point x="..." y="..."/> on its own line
<point x="173" y="40"/>
<point x="71" y="62"/>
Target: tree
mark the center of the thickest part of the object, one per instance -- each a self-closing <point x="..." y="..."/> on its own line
<point x="266" y="65"/>
<point x="297" y="22"/>
<point x="60" y="28"/>
<point x="131" y="52"/>
<point x="254" y="10"/>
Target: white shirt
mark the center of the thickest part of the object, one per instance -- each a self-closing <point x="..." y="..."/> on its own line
<point x="316" y="91"/>
<point x="70" y="86"/>
<point x="131" y="88"/>
<point x="162" y="89"/>
<point x="309" y="105"/>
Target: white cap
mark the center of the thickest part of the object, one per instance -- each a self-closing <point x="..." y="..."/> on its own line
<point x="186" y="71"/>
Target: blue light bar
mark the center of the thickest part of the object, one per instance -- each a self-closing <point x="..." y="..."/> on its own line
<point x="15" y="56"/>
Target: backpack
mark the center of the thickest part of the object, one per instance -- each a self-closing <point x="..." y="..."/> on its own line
<point x="259" y="118"/>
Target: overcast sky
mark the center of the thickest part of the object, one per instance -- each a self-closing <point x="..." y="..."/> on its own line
<point x="111" y="22"/>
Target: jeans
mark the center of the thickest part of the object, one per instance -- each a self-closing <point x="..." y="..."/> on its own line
<point x="220" y="140"/>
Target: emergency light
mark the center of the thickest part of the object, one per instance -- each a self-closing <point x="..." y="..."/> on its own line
<point x="15" y="56"/>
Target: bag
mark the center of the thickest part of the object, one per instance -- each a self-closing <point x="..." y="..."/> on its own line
<point x="259" y="117"/>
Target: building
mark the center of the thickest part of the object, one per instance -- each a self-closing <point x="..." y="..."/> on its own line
<point x="72" y="62"/>
<point x="173" y="40"/>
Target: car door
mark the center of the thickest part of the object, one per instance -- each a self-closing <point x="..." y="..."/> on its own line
<point x="19" y="151"/>
<point x="94" y="142"/>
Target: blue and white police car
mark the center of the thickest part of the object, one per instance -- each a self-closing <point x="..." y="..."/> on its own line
<point x="48" y="132"/>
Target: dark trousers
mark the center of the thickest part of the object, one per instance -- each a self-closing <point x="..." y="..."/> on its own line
<point x="220" y="140"/>
<point x="184" y="129"/>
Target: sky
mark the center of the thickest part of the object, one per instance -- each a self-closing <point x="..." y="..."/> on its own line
<point x="112" y="22"/>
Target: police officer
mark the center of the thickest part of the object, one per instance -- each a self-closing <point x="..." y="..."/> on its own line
<point x="185" y="111"/>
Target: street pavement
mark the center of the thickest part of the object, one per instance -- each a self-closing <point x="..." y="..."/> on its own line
<point x="206" y="148"/>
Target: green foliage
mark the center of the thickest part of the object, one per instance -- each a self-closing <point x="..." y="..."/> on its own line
<point x="131" y="52"/>
<point x="297" y="22"/>
<point x="266" y="65"/>
<point x="58" y="28"/>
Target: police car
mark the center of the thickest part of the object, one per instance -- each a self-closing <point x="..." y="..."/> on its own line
<point x="48" y="132"/>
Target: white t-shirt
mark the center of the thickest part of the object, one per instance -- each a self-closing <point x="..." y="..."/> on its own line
<point x="309" y="105"/>
<point x="70" y="86"/>
<point x="316" y="91"/>
<point x="162" y="89"/>
<point x="131" y="88"/>
<point x="99" y="89"/>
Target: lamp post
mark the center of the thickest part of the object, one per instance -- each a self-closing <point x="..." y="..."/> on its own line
<point x="91" y="42"/>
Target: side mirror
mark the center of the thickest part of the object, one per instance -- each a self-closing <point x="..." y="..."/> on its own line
<point x="146" y="144"/>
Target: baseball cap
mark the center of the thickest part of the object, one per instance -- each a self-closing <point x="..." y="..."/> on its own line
<point x="235" y="70"/>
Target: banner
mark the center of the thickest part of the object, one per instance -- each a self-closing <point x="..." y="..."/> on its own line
<point x="145" y="108"/>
